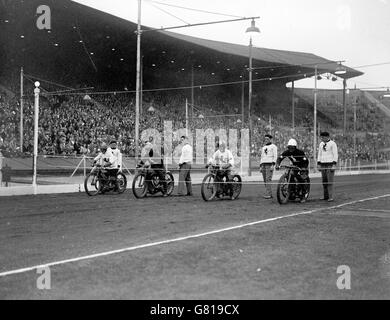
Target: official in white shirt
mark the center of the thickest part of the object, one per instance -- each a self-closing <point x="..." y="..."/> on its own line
<point x="327" y="160"/>
<point x="269" y="155"/>
<point x="185" y="185"/>
<point x="116" y="153"/>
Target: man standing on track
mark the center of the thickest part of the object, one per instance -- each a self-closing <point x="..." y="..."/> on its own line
<point x="327" y="160"/>
<point x="185" y="168"/>
<point x="116" y="153"/>
<point x="269" y="155"/>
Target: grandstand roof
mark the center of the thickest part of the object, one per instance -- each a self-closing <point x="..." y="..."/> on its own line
<point x="89" y="47"/>
<point x="273" y="56"/>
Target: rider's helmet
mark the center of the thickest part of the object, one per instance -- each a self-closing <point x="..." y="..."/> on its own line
<point x="292" y="145"/>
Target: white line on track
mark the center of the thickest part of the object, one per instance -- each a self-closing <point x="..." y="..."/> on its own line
<point x="153" y="244"/>
<point x="370" y="210"/>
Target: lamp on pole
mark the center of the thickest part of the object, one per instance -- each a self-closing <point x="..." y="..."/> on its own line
<point x="138" y="69"/>
<point x="252" y="30"/>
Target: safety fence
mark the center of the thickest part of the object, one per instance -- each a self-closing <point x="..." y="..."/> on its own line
<point x="73" y="169"/>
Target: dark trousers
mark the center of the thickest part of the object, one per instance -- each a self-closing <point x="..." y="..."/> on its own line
<point x="327" y="173"/>
<point x="267" y="172"/>
<point x="185" y="179"/>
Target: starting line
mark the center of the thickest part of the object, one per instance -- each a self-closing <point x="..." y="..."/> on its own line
<point x="199" y="235"/>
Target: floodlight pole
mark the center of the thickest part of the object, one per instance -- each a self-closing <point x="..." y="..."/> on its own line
<point x="250" y="105"/>
<point x="187" y="118"/>
<point x="293" y="105"/>
<point x="138" y="81"/>
<point x="242" y="101"/>
<point x="344" y="107"/>
<point x="21" y="109"/>
<point x="354" y="129"/>
<point x="36" y="116"/>
<point x="138" y="70"/>
<point x="315" y="119"/>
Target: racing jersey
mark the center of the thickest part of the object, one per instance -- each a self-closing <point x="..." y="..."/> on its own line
<point x="105" y="158"/>
<point x="297" y="157"/>
<point x="221" y="158"/>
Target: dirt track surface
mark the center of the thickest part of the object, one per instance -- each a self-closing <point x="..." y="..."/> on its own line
<point x="290" y="258"/>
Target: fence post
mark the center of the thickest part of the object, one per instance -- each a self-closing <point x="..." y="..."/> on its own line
<point x="358" y="165"/>
<point x="375" y="164"/>
<point x="85" y="166"/>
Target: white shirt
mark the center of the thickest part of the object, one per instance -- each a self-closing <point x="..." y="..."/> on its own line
<point x="327" y="152"/>
<point x="104" y="158"/>
<point x="223" y="157"/>
<point x="117" y="155"/>
<point x="186" y="154"/>
<point x="269" y="154"/>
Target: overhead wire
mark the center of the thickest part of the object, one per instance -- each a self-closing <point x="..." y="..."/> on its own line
<point x="195" y="10"/>
<point x="168" y="13"/>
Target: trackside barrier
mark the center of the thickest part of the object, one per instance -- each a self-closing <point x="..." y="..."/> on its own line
<point x="83" y="160"/>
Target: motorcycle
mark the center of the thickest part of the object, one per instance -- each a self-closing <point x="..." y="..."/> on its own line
<point x="289" y="189"/>
<point x="99" y="181"/>
<point x="147" y="181"/>
<point x="215" y="184"/>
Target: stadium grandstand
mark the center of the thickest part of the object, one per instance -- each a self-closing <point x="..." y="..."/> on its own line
<point x="86" y="64"/>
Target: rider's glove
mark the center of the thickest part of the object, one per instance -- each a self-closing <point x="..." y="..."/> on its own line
<point x="334" y="163"/>
<point x="277" y="168"/>
<point x="318" y="163"/>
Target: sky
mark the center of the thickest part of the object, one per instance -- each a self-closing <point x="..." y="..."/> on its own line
<point x="357" y="31"/>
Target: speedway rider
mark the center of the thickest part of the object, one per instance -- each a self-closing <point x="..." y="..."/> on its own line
<point x="224" y="158"/>
<point x="298" y="159"/>
<point x="150" y="158"/>
<point x="107" y="160"/>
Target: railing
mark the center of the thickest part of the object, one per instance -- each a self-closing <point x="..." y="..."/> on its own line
<point x="63" y="169"/>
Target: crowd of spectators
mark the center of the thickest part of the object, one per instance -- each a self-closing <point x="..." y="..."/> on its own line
<point x="77" y="124"/>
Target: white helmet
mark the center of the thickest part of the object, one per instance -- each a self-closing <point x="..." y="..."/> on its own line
<point x="292" y="143"/>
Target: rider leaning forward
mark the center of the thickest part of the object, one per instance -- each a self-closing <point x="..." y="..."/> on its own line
<point x="298" y="159"/>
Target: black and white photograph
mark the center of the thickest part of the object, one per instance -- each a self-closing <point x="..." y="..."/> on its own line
<point x="213" y="152"/>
